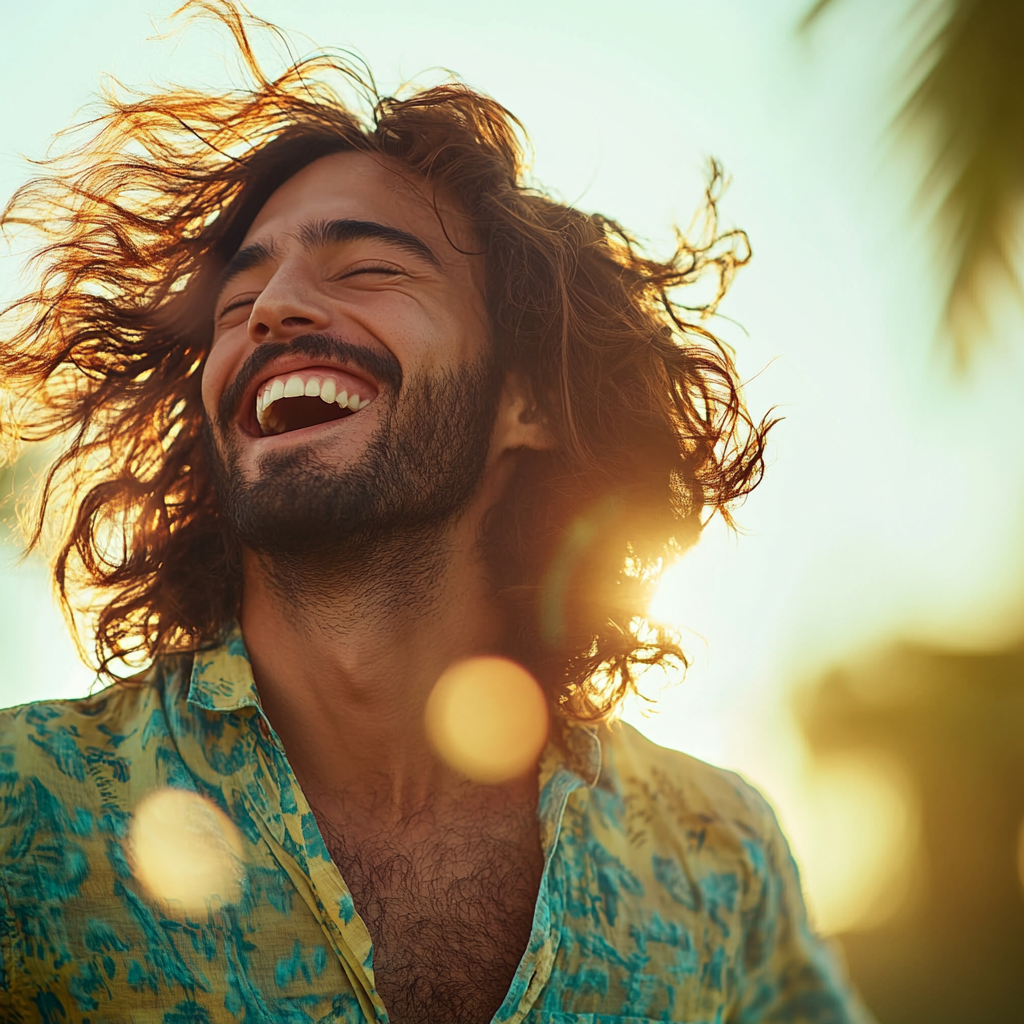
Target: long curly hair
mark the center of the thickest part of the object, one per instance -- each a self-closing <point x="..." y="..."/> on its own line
<point x="105" y="356"/>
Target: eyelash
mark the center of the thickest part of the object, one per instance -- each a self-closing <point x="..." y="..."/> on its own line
<point x="235" y="305"/>
<point x="381" y="268"/>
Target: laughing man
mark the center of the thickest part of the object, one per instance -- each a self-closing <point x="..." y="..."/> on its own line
<point x="342" y="403"/>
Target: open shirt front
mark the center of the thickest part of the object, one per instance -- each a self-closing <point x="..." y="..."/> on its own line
<point x="668" y="891"/>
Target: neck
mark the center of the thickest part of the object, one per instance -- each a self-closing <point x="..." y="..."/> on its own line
<point x="344" y="667"/>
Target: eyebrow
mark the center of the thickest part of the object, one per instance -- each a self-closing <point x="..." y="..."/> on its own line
<point x="333" y="232"/>
<point x="255" y="255"/>
<point x="318" y="234"/>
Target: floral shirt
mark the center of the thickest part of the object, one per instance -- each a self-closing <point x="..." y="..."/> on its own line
<point x="668" y="892"/>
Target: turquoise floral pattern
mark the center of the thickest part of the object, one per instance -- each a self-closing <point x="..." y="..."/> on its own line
<point x="668" y="891"/>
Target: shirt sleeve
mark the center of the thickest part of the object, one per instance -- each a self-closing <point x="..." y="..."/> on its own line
<point x="790" y="975"/>
<point x="10" y="946"/>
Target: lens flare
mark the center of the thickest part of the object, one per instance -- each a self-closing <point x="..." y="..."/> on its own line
<point x="185" y="851"/>
<point x="488" y="719"/>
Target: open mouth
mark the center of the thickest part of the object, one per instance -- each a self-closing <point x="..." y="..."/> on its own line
<point x="306" y="398"/>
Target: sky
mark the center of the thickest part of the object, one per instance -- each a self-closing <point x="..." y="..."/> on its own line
<point x="892" y="503"/>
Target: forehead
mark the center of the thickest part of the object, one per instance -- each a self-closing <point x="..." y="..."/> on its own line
<point x="368" y="188"/>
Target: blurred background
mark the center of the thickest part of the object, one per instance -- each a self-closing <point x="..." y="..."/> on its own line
<point x="858" y="650"/>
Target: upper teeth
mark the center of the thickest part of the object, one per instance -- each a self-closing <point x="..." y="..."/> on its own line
<point x="312" y="385"/>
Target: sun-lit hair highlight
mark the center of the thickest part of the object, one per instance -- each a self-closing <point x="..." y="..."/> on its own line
<point x="105" y="355"/>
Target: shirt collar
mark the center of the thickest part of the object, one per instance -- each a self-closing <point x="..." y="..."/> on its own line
<point x="222" y="677"/>
<point x="576" y="747"/>
<point x="222" y="680"/>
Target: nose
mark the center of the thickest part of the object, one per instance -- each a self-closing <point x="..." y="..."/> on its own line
<point x="286" y="307"/>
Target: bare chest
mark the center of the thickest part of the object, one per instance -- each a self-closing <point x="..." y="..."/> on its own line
<point x="449" y="914"/>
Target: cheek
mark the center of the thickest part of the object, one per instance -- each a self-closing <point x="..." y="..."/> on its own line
<point x="215" y="377"/>
<point x="474" y="323"/>
<point x="452" y="333"/>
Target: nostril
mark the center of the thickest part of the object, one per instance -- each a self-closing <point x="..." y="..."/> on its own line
<point x="296" y="321"/>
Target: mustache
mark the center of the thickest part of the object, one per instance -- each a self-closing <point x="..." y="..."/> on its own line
<point x="382" y="366"/>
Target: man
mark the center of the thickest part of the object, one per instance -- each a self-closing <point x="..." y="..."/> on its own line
<point x="346" y="408"/>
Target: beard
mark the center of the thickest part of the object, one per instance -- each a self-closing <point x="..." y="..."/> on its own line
<point x="419" y="471"/>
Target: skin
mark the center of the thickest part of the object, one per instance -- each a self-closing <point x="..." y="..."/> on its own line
<point x="355" y="661"/>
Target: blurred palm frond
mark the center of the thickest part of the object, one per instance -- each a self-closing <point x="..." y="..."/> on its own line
<point x="969" y="98"/>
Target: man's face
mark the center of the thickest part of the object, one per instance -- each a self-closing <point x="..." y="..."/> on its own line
<point x="350" y="389"/>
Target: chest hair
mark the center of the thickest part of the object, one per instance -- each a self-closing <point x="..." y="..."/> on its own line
<point x="449" y="911"/>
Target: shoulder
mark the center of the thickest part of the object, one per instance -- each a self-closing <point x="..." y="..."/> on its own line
<point x="111" y="709"/>
<point x="77" y="753"/>
<point x="50" y="735"/>
<point x="708" y="872"/>
<point x="686" y="825"/>
<point x="50" y="747"/>
<point x="692" y="791"/>
<point x="69" y="773"/>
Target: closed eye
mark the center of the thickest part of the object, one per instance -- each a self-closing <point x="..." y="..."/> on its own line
<point x="237" y="304"/>
<point x="371" y="268"/>
<point x="388" y="269"/>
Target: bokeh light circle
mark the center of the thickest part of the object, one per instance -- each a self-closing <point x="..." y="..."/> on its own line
<point x="488" y="719"/>
<point x="185" y="851"/>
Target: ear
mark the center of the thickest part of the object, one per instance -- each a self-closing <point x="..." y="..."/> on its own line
<point x="519" y="423"/>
